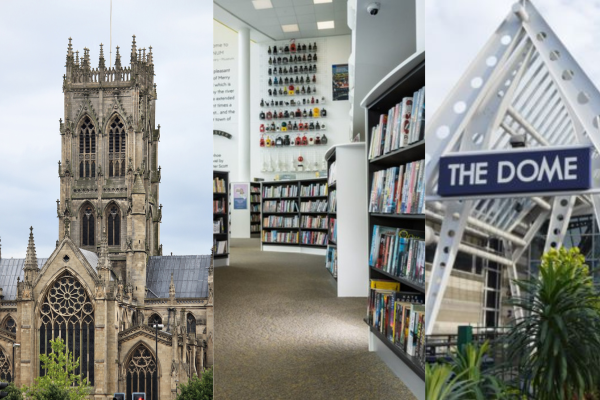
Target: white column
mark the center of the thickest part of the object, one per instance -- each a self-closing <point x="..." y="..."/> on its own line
<point x="244" y="104"/>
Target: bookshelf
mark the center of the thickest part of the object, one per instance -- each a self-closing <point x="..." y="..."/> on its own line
<point x="294" y="214"/>
<point x="347" y="248"/>
<point x="402" y="82"/>
<point x="255" y="203"/>
<point x="221" y="218"/>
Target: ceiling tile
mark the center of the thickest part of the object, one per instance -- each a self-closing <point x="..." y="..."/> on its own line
<point x="323" y="9"/>
<point x="287" y="20"/>
<point x="302" y="10"/>
<point x="308" y="26"/>
<point x="303" y="2"/>
<point x="306" y="18"/>
<point x="282" y="3"/>
<point x="285" y="11"/>
<point x="339" y="5"/>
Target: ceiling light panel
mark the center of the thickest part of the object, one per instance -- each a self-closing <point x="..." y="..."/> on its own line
<point x="262" y="4"/>
<point x="325" y="24"/>
<point x="290" y="28"/>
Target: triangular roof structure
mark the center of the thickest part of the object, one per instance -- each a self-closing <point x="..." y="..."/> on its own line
<point x="524" y="82"/>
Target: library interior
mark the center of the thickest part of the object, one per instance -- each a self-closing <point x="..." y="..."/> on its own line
<point x="319" y="222"/>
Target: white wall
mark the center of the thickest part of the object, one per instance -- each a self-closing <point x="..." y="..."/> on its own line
<point x="331" y="51"/>
<point x="225" y="78"/>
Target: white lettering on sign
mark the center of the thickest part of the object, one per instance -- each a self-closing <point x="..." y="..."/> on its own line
<point x="570" y="165"/>
<point x="475" y="172"/>
<point x="504" y="177"/>
<point x="567" y="170"/>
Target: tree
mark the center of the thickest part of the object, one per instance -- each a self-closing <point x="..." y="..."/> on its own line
<point x="60" y="381"/>
<point x="557" y="343"/>
<point x="198" y="388"/>
<point x="14" y="393"/>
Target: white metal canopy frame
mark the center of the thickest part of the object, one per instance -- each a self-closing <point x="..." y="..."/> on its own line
<point x="523" y="82"/>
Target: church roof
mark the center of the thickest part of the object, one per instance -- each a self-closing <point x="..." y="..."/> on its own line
<point x="92" y="258"/>
<point x="10" y="269"/>
<point x="190" y="274"/>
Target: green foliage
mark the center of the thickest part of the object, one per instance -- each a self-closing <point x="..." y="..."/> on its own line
<point x="198" y="388"/>
<point x="463" y="378"/>
<point x="60" y="381"/>
<point x="14" y="393"/>
<point x="557" y="343"/>
<point x="441" y="384"/>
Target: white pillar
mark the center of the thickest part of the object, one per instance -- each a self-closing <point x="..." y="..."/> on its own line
<point x="244" y="104"/>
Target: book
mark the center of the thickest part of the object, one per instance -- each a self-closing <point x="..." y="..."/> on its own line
<point x="331" y="260"/>
<point x="398" y="190"/>
<point x="399" y="253"/>
<point x="401" y="126"/>
<point x="219" y="185"/>
<point x="400" y="317"/>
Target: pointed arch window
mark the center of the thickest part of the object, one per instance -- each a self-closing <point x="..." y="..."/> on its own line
<point x="9" y="324"/>
<point x="142" y="373"/>
<point x="87" y="226"/>
<point x="154" y="319"/>
<point x="116" y="147"/>
<point x="114" y="226"/>
<point x="87" y="149"/>
<point x="68" y="313"/>
<point x="5" y="368"/>
<point x="191" y="324"/>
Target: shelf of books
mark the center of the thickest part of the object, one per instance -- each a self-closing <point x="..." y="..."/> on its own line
<point x="221" y="218"/>
<point x="255" y="202"/>
<point x="395" y="118"/>
<point x="347" y="248"/>
<point x="294" y="216"/>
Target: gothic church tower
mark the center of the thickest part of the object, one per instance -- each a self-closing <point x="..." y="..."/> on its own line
<point x="109" y="173"/>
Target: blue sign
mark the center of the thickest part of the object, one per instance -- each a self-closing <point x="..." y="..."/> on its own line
<point x="515" y="171"/>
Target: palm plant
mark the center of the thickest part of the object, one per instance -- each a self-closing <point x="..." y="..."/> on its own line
<point x="557" y="343"/>
<point x="463" y="377"/>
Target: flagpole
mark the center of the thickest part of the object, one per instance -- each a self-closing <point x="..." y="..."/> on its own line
<point x="110" y="56"/>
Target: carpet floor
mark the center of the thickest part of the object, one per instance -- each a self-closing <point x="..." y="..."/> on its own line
<point x="281" y="332"/>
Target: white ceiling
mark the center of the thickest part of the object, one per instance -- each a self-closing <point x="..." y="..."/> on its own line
<point x="284" y="12"/>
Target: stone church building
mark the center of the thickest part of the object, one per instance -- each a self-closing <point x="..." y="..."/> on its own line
<point x="107" y="282"/>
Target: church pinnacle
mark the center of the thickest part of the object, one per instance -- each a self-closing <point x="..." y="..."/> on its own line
<point x="31" y="263"/>
<point x="172" y="287"/>
<point x="104" y="265"/>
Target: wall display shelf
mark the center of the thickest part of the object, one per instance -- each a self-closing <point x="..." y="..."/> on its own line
<point x="346" y="220"/>
<point x="396" y="225"/>
<point x="294" y="215"/>
<point x="292" y="126"/>
<point x="255" y="203"/>
<point x="221" y="218"/>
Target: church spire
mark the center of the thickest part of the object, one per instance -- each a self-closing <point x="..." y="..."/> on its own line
<point x="31" y="263"/>
<point x="118" y="59"/>
<point x="133" y="51"/>
<point x="70" y="52"/>
<point x="101" y="60"/>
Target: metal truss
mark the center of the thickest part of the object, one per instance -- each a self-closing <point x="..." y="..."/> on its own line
<point x="523" y="82"/>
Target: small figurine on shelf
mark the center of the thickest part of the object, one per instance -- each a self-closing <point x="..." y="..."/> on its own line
<point x="324" y="139"/>
<point x="262" y="141"/>
<point x="300" y="163"/>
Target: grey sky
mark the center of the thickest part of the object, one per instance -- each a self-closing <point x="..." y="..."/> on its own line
<point x="33" y="45"/>
<point x="457" y="30"/>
